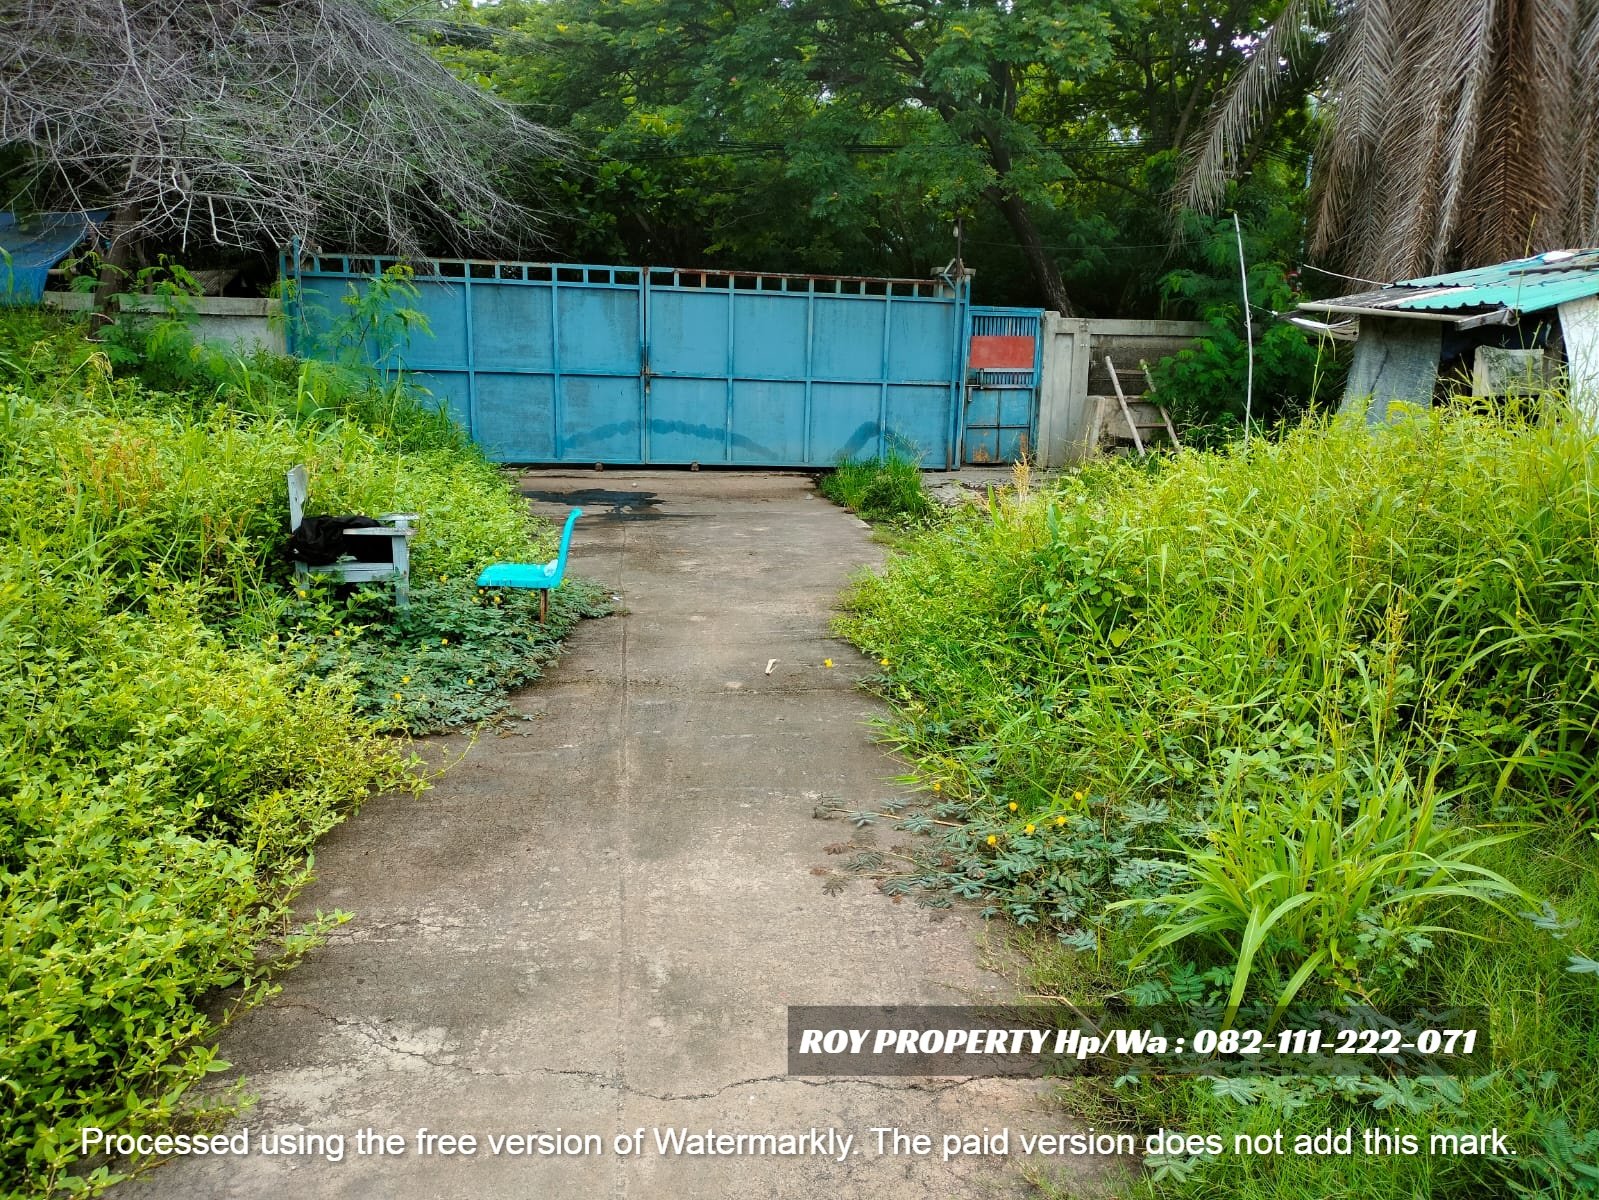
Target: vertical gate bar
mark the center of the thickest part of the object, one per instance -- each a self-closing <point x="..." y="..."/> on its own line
<point x="958" y="394"/>
<point x="299" y="290"/>
<point x="727" y="429"/>
<point x="963" y="349"/>
<point x="471" y="361"/>
<point x="556" y="388"/>
<point x="810" y="361"/>
<point x="952" y="431"/>
<point x="882" y="373"/>
<point x="961" y="316"/>
<point x="644" y="363"/>
<point x="1038" y="380"/>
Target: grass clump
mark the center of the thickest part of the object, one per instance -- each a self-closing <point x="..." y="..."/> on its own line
<point x="181" y="720"/>
<point x="887" y="489"/>
<point x="1311" y="719"/>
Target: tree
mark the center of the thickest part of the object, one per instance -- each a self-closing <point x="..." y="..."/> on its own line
<point x="870" y="103"/>
<point x="251" y="122"/>
<point x="1454" y="132"/>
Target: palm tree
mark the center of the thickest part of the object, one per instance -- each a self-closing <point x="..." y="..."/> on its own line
<point x="1455" y="133"/>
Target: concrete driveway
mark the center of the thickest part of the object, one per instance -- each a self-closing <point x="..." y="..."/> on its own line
<point x="594" y="922"/>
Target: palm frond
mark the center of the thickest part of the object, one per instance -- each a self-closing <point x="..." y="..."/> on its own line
<point x="1585" y="111"/>
<point x="1281" y="55"/>
<point x="1509" y="214"/>
<point x="1361" y="71"/>
<point x="1474" y="63"/>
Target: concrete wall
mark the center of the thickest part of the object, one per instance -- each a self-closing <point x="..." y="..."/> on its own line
<point x="242" y="322"/>
<point x="1396" y="359"/>
<point x="1579" y="325"/>
<point x="1075" y="374"/>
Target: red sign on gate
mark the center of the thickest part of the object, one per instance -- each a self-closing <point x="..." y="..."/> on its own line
<point x="1001" y="353"/>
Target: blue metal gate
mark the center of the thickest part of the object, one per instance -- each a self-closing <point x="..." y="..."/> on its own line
<point x="1005" y="360"/>
<point x="568" y="363"/>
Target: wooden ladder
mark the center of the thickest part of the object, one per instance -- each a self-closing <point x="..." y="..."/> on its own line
<point x="1127" y="413"/>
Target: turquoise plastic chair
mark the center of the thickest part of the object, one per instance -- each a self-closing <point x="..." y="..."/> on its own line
<point x="534" y="576"/>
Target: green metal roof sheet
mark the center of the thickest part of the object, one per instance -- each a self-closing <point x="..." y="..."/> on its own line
<point x="1521" y="285"/>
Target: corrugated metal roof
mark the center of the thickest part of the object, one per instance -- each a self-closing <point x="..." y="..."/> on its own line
<point x="1520" y="286"/>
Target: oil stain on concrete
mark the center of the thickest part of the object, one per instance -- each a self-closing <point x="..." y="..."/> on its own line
<point x="594" y="921"/>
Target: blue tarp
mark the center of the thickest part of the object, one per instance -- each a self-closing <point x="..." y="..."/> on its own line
<point x="31" y="246"/>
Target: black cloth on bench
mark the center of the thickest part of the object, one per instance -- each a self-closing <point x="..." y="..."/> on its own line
<point x="320" y="541"/>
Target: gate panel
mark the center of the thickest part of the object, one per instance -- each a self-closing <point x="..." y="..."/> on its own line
<point x="687" y="420"/>
<point x="507" y="325"/>
<point x="593" y="364"/>
<point x="843" y="421"/>
<point x="513" y="417"/>
<point x="770" y="336"/>
<point x="1004" y="360"/>
<point x="768" y="421"/>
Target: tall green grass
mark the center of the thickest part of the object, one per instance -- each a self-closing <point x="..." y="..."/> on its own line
<point x="1309" y="718"/>
<point x="880" y="489"/>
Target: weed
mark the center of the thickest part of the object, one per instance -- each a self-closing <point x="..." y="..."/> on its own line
<point x="880" y="489"/>
<point x="181" y="723"/>
<point x="1257" y="724"/>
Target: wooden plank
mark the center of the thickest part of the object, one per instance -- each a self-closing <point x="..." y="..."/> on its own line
<point x="1122" y="400"/>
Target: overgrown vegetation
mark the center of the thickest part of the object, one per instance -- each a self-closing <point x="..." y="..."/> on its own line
<point x="1207" y="386"/>
<point x="1315" y="718"/>
<point x="180" y="721"/>
<point x="879" y="489"/>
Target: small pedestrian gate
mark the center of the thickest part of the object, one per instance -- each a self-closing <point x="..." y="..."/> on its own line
<point x="1003" y="367"/>
<point x="567" y="363"/>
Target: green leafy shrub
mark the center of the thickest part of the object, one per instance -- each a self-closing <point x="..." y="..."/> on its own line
<point x="449" y="660"/>
<point x="161" y="793"/>
<point x="1206" y="385"/>
<point x="180" y="723"/>
<point x="1240" y="618"/>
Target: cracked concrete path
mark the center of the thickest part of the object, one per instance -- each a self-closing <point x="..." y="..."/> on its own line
<point x="595" y="922"/>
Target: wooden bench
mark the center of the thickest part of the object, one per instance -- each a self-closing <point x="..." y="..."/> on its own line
<point x="398" y="528"/>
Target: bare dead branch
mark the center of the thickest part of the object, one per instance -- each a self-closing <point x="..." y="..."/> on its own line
<point x="243" y="122"/>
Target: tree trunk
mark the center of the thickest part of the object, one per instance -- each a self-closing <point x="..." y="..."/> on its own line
<point x="1046" y="274"/>
<point x="114" y="267"/>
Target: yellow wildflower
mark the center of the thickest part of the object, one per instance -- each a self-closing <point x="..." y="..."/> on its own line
<point x="1060" y="820"/>
<point x="405" y="679"/>
<point x="827" y="662"/>
<point x="937" y="787"/>
<point x="444" y="641"/>
<point x="397" y="696"/>
<point x="1012" y="806"/>
<point x="1029" y="829"/>
<point x="1077" y="796"/>
<point x="992" y="840"/>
